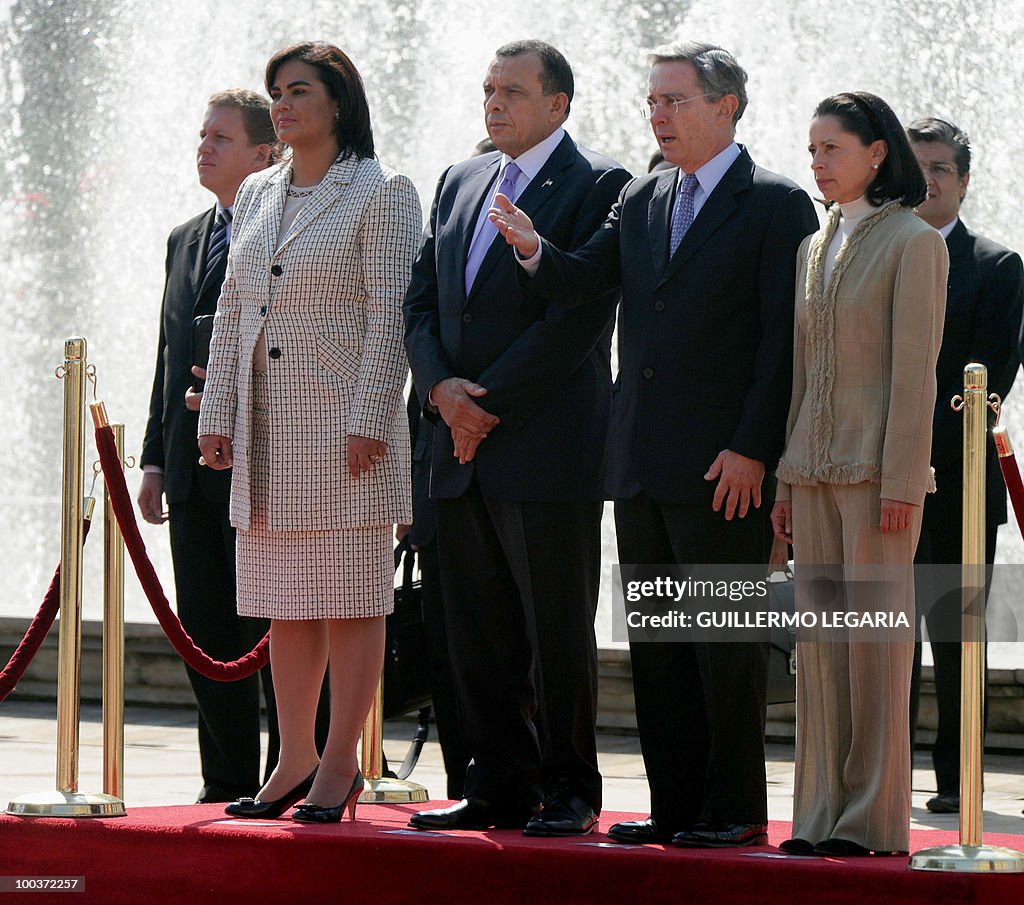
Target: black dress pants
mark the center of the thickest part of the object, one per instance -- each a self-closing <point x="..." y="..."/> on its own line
<point x="203" y="553"/>
<point x="520" y="593"/>
<point x="944" y="546"/>
<point x="700" y="706"/>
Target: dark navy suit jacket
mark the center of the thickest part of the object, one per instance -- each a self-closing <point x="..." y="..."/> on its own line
<point x="170" y="440"/>
<point x="705" y="336"/>
<point x="546" y="368"/>
<point x="984" y="302"/>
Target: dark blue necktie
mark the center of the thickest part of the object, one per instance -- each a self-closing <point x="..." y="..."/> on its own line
<point x="218" y="247"/>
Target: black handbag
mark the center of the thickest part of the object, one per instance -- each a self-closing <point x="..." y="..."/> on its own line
<point x="406" y="675"/>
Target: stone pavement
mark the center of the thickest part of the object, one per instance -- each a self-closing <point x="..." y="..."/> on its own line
<point x="162" y="765"/>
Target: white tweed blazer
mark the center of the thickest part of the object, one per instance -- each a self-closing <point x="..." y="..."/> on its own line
<point x="329" y="302"/>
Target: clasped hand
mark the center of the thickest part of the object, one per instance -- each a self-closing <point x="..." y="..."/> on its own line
<point x="469" y="423"/>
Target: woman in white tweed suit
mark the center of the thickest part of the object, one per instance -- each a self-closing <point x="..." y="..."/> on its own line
<point x="871" y="291"/>
<point x="304" y="399"/>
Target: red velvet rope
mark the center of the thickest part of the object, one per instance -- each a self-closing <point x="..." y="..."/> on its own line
<point x="36" y="633"/>
<point x="121" y="503"/>
<point x="1011" y="477"/>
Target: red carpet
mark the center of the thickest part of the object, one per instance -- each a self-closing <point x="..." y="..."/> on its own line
<point x="195" y="855"/>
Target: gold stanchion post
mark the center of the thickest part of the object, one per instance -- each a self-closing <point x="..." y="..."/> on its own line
<point x="67" y="801"/>
<point x="380" y="788"/>
<point x="971" y="855"/>
<point x="113" y="630"/>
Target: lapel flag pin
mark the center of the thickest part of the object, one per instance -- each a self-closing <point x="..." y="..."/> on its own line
<point x="546" y="184"/>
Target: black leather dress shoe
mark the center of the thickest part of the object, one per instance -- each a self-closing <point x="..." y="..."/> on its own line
<point x="845" y="848"/>
<point x="470" y="814"/>
<point x="563" y="814"/>
<point x="944" y="803"/>
<point x="729" y="835"/>
<point x="639" y="832"/>
<point x="797" y="846"/>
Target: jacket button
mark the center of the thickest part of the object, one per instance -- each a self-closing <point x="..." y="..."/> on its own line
<point x="275" y="352"/>
<point x="466" y="318"/>
<point x="277" y="270"/>
<point x="659" y="305"/>
<point x="263" y="310"/>
<point x="648" y="372"/>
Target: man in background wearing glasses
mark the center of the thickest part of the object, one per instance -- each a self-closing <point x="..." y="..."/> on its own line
<point x="983" y="319"/>
<point x="706" y="258"/>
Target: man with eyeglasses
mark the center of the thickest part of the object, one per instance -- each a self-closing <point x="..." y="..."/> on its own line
<point x="522" y="388"/>
<point x="706" y="258"/>
<point x="983" y="318"/>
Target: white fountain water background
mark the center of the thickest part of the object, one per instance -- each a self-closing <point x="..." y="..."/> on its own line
<point x="100" y="104"/>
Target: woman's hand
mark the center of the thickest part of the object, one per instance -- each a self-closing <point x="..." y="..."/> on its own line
<point x="515" y="226"/>
<point x="364" y="453"/>
<point x="216" y="451"/>
<point x="782" y="521"/>
<point x="895" y="515"/>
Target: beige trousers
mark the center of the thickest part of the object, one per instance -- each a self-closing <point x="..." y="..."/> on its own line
<point x="852" y="778"/>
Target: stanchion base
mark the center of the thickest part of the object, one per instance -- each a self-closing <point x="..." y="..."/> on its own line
<point x="392" y="791"/>
<point x="67" y="804"/>
<point x="969" y="859"/>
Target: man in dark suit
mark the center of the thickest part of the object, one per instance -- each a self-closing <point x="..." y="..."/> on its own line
<point x="983" y="318"/>
<point x="422" y="536"/>
<point x="706" y="258"/>
<point x="523" y="392"/>
<point x="236" y="139"/>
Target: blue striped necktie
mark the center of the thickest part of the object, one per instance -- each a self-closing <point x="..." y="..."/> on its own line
<point x="218" y="248"/>
<point x="485" y="236"/>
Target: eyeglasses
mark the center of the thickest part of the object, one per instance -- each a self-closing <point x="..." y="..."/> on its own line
<point x="935" y="168"/>
<point x="670" y="105"/>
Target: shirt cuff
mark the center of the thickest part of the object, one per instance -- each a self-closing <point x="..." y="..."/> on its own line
<point x="431" y="405"/>
<point x="152" y="469"/>
<point x="532" y="263"/>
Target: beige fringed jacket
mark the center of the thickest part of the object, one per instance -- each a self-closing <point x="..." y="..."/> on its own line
<point x="864" y="357"/>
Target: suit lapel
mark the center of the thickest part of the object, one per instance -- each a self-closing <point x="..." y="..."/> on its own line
<point x="542" y="188"/>
<point x="324" y="196"/>
<point x="201" y="279"/>
<point x="715" y="211"/>
<point x="272" y="207"/>
<point x="659" y="219"/>
<point x="197" y="244"/>
<point x="957" y="242"/>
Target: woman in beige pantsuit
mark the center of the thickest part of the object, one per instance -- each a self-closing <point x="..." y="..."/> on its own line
<point x="304" y="399"/>
<point x="871" y="296"/>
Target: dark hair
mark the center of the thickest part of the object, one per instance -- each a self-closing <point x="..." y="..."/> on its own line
<point x="255" y="110"/>
<point x="717" y="70"/>
<point x="343" y="84"/>
<point x="484" y="146"/>
<point x="657" y="159"/>
<point x="931" y="128"/>
<point x="555" y="71"/>
<point x="867" y="116"/>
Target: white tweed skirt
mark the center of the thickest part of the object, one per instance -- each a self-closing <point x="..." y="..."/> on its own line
<point x="345" y="574"/>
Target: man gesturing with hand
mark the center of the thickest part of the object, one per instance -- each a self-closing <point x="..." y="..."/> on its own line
<point x="522" y="389"/>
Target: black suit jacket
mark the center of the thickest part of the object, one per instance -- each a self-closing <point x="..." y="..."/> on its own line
<point x="984" y="303"/>
<point x="546" y="368"/>
<point x="171" y="430"/>
<point x="705" y="337"/>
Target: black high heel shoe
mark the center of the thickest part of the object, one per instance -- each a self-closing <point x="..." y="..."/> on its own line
<point x="268" y="810"/>
<point x="314" y="813"/>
